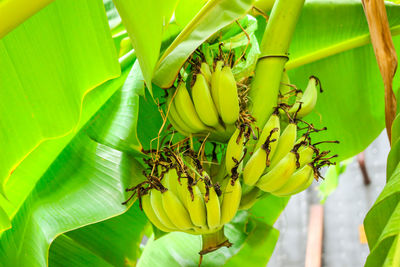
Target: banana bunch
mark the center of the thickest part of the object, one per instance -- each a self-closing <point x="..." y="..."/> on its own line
<point x="278" y="162"/>
<point x="210" y="106"/>
<point x="196" y="205"/>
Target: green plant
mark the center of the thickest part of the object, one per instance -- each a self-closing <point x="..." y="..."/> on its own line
<point x="79" y="114"/>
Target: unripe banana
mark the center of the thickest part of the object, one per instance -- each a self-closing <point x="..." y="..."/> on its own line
<point x="272" y="123"/>
<point x="255" y="167"/>
<point x="176" y="119"/>
<point x="305" y="185"/>
<point x="215" y="83"/>
<point x="205" y="70"/>
<point x="173" y="207"/>
<point x="297" y="181"/>
<point x="157" y="205"/>
<point x="234" y="150"/>
<point x="147" y="208"/>
<point x="212" y="206"/>
<point x="185" y="108"/>
<point x="278" y="175"/>
<point x="196" y="207"/>
<point x="228" y="96"/>
<point x="308" y="100"/>
<point x="305" y="156"/>
<point x="178" y="127"/>
<point x="203" y="102"/>
<point x="231" y="201"/>
<point x="257" y="163"/>
<point x="285" y="144"/>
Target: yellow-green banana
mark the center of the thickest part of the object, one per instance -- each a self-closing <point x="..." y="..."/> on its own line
<point x="257" y="163"/>
<point x="215" y="83"/>
<point x="203" y="102"/>
<point x="213" y="209"/>
<point x="176" y="119"/>
<point x="173" y="207"/>
<point x="278" y="175"/>
<point x="285" y="144"/>
<point x="272" y="123"/>
<point x="205" y="70"/>
<point x="196" y="207"/>
<point x="228" y="106"/>
<point x="297" y="181"/>
<point x="157" y="204"/>
<point x="148" y="209"/>
<point x="234" y="150"/>
<point x="231" y="201"/>
<point x="185" y="108"/>
<point x="308" y="100"/>
<point x="305" y="155"/>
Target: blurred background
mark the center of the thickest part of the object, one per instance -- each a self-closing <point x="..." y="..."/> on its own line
<point x="344" y="209"/>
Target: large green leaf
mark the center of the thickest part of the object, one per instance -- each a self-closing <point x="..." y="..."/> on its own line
<point x="382" y="224"/>
<point x="145" y="22"/>
<point x="115" y="241"/>
<point x="84" y="185"/>
<point x="14" y="12"/>
<point x="337" y="51"/>
<point x="116" y="123"/>
<point x="215" y="15"/>
<point x="49" y="67"/>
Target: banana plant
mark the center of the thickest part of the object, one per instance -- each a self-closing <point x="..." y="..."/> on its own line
<point x="147" y="132"/>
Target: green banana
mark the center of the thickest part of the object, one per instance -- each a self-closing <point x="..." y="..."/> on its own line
<point x="176" y="119"/>
<point x="304" y="186"/>
<point x="285" y="144"/>
<point x="272" y="123"/>
<point x="231" y="201"/>
<point x="148" y="210"/>
<point x="205" y="70"/>
<point x="215" y="83"/>
<point x="185" y="108"/>
<point x="212" y="207"/>
<point x="257" y="163"/>
<point x="234" y="150"/>
<point x="305" y="156"/>
<point x="178" y="127"/>
<point x="203" y="102"/>
<point x="297" y="181"/>
<point x="228" y="106"/>
<point x="157" y="204"/>
<point x="255" y="167"/>
<point x="308" y="100"/>
<point x="173" y="207"/>
<point x="278" y="175"/>
<point x="196" y="207"/>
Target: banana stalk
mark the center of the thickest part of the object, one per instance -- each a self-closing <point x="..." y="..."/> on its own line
<point x="274" y="50"/>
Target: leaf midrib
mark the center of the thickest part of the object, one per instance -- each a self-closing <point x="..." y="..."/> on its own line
<point x="335" y="49"/>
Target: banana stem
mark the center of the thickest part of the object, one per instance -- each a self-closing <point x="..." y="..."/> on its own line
<point x="274" y="55"/>
<point x="214" y="241"/>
